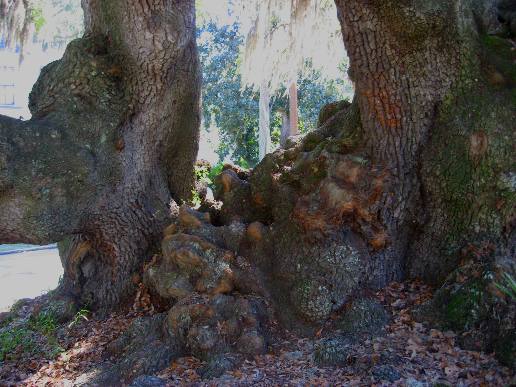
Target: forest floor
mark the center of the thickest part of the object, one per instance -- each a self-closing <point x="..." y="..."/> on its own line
<point x="405" y="353"/>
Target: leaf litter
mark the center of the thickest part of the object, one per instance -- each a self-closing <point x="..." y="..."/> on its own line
<point x="406" y="353"/>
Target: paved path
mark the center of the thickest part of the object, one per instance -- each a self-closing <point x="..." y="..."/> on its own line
<point x="28" y="274"/>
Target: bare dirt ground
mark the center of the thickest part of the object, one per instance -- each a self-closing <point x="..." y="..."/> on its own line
<point x="406" y="353"/>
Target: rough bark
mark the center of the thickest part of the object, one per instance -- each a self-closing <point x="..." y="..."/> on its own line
<point x="403" y="60"/>
<point x="366" y="198"/>
<point x="419" y="69"/>
<point x="396" y="184"/>
<point x="110" y="146"/>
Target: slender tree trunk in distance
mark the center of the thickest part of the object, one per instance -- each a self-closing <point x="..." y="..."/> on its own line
<point x="264" y="132"/>
<point x="285" y="127"/>
<point x="290" y="121"/>
<point x="110" y="146"/>
<point x="293" y="109"/>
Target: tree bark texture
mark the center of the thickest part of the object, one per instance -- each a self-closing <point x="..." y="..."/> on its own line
<point x="110" y="146"/>
<point x="414" y="175"/>
<point x="393" y="185"/>
<point x="418" y="67"/>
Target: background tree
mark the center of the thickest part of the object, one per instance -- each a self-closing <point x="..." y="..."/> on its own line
<point x="281" y="36"/>
<point x="57" y="22"/>
<point x="234" y="109"/>
<point x="24" y="20"/>
<point x="224" y="103"/>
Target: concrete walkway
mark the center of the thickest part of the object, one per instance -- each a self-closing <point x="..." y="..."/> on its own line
<point x="27" y="275"/>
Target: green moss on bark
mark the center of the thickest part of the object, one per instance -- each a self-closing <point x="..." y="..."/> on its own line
<point x="468" y="169"/>
<point x="463" y="309"/>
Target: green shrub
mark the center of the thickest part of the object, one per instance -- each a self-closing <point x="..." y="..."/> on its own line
<point x="12" y="339"/>
<point x="44" y="323"/>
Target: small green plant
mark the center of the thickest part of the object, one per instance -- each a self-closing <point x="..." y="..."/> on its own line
<point x="206" y="173"/>
<point x="196" y="199"/>
<point x="214" y="172"/>
<point x="243" y="163"/>
<point x="12" y="339"/>
<point x="202" y="172"/>
<point x="37" y="335"/>
<point x="508" y="287"/>
<point x="79" y="316"/>
<point x="44" y="323"/>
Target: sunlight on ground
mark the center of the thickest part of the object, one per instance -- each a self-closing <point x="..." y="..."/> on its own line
<point x="27" y="275"/>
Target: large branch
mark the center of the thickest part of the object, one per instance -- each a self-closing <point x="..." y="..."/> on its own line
<point x="46" y="182"/>
<point x="122" y="103"/>
<point x="57" y="165"/>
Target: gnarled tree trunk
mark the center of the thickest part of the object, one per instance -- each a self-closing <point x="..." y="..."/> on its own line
<point x="395" y="185"/>
<point x="110" y="146"/>
<point x="421" y="71"/>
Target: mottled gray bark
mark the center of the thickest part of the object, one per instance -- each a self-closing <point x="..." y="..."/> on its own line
<point x="285" y="127"/>
<point x="110" y="146"/>
<point x="404" y="59"/>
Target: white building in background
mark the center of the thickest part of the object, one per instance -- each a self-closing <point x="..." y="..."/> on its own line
<point x="9" y="100"/>
<point x="17" y="79"/>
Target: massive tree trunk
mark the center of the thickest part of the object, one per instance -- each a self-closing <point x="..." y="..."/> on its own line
<point x="110" y="146"/>
<point x="403" y="61"/>
<point x="398" y="183"/>
<point x="421" y="72"/>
